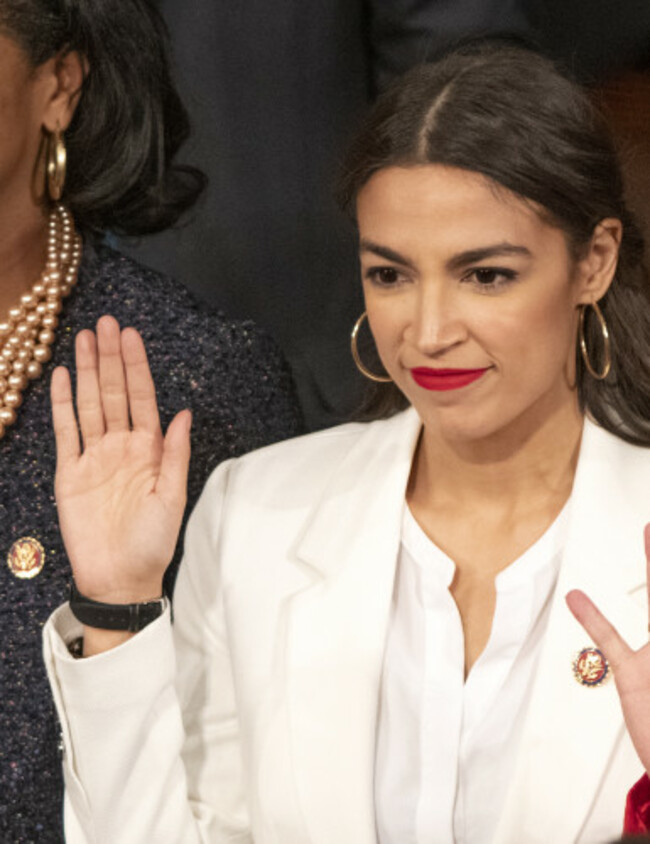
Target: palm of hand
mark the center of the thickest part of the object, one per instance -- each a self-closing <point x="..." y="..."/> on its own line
<point x="633" y="687"/>
<point x="121" y="500"/>
<point x="112" y="520"/>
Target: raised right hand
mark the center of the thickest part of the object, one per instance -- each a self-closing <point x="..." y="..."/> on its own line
<point x="121" y="491"/>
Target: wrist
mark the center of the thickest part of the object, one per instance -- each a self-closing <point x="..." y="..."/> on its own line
<point x="139" y="593"/>
<point x="123" y="617"/>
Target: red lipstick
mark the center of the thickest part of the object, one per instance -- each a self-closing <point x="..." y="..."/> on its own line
<point x="445" y="379"/>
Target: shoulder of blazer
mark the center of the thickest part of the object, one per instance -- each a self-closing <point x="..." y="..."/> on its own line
<point x="316" y="495"/>
<point x="607" y="454"/>
<point x="300" y="467"/>
<point x="610" y="505"/>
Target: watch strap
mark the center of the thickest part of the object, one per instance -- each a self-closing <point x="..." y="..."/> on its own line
<point x="129" y="617"/>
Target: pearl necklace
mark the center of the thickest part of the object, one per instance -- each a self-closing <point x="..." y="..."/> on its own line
<point x="28" y="331"/>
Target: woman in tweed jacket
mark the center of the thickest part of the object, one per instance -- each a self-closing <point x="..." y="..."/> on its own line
<point x="93" y="79"/>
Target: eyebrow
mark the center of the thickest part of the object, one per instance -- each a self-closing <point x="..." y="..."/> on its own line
<point x="471" y="256"/>
<point x="384" y="252"/>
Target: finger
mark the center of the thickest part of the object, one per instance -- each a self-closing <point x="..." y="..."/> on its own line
<point x="172" y="479"/>
<point x="89" y="403"/>
<point x="66" y="432"/>
<point x="140" y="386"/>
<point x="112" y="382"/>
<point x="604" y="634"/>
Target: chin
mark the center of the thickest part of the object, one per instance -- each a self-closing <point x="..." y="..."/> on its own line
<point x="467" y="432"/>
<point x="457" y="424"/>
<point x="463" y="423"/>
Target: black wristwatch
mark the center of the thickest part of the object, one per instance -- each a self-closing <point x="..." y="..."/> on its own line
<point x="129" y="617"/>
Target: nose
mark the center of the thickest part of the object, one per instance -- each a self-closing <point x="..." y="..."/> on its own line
<point x="436" y="323"/>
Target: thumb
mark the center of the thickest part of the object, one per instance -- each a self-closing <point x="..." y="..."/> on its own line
<point x="172" y="478"/>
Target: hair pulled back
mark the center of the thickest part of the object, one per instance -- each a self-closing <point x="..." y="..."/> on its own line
<point x="509" y="114"/>
<point x="129" y="123"/>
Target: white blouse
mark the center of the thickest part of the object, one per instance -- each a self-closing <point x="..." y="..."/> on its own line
<point x="446" y="746"/>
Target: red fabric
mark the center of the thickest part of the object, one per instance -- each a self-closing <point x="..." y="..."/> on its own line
<point x="637" y="808"/>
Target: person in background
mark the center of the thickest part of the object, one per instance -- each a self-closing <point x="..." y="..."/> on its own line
<point x="90" y="124"/>
<point x="371" y="638"/>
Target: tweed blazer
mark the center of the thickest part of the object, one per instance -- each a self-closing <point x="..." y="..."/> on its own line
<point x="232" y="378"/>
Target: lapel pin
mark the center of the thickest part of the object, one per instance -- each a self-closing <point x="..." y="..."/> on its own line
<point x="26" y="557"/>
<point x="590" y="668"/>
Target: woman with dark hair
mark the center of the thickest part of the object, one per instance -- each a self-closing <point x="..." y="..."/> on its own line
<point x="90" y="124"/>
<point x="371" y="637"/>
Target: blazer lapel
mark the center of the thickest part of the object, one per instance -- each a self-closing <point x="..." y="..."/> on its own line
<point x="571" y="729"/>
<point x="337" y="629"/>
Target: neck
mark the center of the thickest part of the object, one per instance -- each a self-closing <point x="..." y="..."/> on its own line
<point x="528" y="465"/>
<point x="23" y="234"/>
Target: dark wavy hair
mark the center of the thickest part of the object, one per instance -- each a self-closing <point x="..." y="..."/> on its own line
<point x="510" y="114"/>
<point x="130" y="121"/>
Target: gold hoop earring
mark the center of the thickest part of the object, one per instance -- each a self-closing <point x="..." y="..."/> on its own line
<point x="380" y="379"/>
<point x="607" y="352"/>
<point x="57" y="158"/>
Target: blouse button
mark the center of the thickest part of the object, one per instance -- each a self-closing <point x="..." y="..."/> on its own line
<point x="26" y="558"/>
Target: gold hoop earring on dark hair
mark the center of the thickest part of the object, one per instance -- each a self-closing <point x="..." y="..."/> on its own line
<point x="607" y="352"/>
<point x="381" y="379"/>
<point x="57" y="158"/>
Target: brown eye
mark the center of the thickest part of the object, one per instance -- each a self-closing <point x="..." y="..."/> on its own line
<point x="388" y="275"/>
<point x="486" y="276"/>
<point x="490" y="278"/>
<point x="384" y="276"/>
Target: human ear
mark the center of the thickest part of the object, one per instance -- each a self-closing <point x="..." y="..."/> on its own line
<point x="63" y="77"/>
<point x="596" y="269"/>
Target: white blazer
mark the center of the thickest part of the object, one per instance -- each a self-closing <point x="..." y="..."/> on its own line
<point x="281" y="612"/>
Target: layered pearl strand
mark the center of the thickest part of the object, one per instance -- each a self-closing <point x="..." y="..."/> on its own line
<point x="28" y="331"/>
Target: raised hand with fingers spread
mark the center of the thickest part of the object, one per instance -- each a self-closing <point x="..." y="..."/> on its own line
<point x="120" y="485"/>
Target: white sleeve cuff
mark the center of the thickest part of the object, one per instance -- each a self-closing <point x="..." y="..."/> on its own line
<point x="127" y="674"/>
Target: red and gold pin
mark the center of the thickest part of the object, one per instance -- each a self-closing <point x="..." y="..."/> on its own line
<point x="26" y="557"/>
<point x="590" y="668"/>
